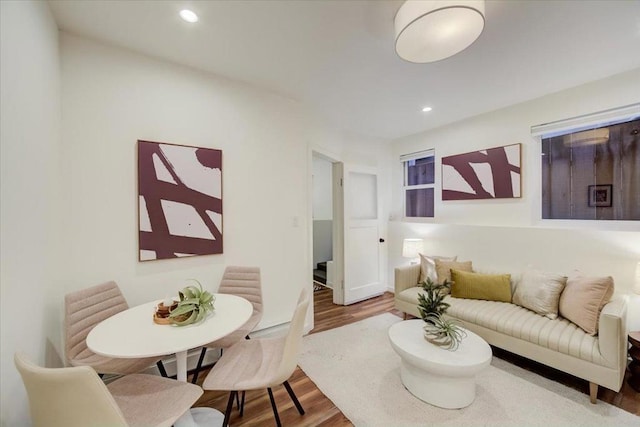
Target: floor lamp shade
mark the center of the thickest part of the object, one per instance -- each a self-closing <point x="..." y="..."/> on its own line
<point x="411" y="248"/>
<point x="431" y="30"/>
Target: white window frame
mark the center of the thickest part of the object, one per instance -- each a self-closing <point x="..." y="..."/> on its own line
<point x="405" y="179"/>
<point x="577" y="124"/>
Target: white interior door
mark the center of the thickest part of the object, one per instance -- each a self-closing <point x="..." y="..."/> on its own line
<point x="361" y="234"/>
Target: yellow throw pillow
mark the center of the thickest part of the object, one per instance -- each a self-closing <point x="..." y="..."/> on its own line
<point x="443" y="268"/>
<point x="491" y="287"/>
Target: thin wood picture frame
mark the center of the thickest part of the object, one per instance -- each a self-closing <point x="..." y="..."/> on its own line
<point x="600" y="196"/>
<point x="179" y="201"/>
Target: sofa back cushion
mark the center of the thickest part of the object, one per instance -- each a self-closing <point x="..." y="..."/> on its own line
<point x="428" y="266"/>
<point x="443" y="269"/>
<point x="583" y="299"/>
<point x="491" y="287"/>
<point x="540" y="291"/>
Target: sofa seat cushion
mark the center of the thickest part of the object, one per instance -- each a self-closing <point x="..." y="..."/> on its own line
<point x="410" y="295"/>
<point x="558" y="335"/>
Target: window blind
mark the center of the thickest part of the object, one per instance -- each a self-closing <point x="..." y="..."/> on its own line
<point x="587" y="121"/>
<point x="417" y="155"/>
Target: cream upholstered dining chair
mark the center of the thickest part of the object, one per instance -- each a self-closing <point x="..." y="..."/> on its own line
<point x="261" y="363"/>
<point x="84" y="309"/>
<point x="77" y="397"/>
<point x="244" y="282"/>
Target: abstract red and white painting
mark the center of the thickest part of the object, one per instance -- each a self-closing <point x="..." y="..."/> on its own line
<point x="179" y="201"/>
<point x="494" y="173"/>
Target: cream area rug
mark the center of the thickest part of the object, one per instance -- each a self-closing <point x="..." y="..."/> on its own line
<point x="357" y="369"/>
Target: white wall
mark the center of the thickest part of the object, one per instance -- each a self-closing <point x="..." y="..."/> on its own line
<point x="32" y="248"/>
<point x="112" y="97"/>
<point x="510" y="234"/>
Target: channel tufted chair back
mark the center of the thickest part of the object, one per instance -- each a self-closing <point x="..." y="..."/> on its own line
<point x="84" y="309"/>
<point x="77" y="397"/>
<point x="244" y="282"/>
<point x="261" y="363"/>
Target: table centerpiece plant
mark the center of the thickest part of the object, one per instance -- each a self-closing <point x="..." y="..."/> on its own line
<point x="194" y="305"/>
<point x="438" y="329"/>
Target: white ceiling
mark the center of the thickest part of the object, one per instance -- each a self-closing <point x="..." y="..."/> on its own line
<point x="338" y="56"/>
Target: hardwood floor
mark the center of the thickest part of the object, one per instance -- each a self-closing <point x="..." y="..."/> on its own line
<point x="328" y="315"/>
<point x="320" y="411"/>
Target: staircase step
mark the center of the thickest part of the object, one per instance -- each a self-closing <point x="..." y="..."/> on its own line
<point x="320" y="276"/>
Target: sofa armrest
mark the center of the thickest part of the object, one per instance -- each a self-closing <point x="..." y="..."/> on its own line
<point x="406" y="277"/>
<point x="612" y="332"/>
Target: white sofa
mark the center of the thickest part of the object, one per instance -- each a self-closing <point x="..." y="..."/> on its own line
<point x="558" y="343"/>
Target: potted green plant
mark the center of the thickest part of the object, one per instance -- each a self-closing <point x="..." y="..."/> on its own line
<point x="431" y="301"/>
<point x="438" y="329"/>
<point x="193" y="307"/>
<point x="443" y="332"/>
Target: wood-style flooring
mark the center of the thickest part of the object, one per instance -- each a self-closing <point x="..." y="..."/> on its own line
<point x="320" y="411"/>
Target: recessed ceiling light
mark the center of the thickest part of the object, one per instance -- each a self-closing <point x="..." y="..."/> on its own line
<point x="426" y="109"/>
<point x="188" y="15"/>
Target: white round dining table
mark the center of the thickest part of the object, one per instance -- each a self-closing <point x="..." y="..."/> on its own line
<point x="133" y="334"/>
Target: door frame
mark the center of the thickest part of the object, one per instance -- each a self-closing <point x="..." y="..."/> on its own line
<point x="338" y="223"/>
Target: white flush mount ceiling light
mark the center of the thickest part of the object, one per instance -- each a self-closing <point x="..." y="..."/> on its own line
<point x="189" y="16"/>
<point x="426" y="109"/>
<point x="431" y="30"/>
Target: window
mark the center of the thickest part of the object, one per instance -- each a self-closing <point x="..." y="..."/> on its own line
<point x="592" y="171"/>
<point x="419" y="183"/>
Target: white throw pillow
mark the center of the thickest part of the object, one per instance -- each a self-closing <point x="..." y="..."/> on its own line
<point x="540" y="291"/>
<point x="428" y="266"/>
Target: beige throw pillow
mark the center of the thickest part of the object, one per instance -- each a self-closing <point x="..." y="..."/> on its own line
<point x="540" y="291"/>
<point x="443" y="269"/>
<point x="428" y="266"/>
<point x="583" y="299"/>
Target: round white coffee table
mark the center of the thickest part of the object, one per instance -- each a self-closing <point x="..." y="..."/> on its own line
<point x="437" y="376"/>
